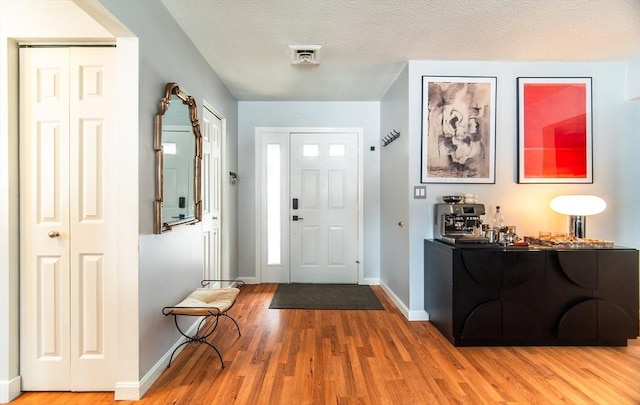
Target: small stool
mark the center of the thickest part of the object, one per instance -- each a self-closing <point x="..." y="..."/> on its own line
<point x="205" y="302"/>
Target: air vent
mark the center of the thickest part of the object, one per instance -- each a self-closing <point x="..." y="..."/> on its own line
<point x="305" y="54"/>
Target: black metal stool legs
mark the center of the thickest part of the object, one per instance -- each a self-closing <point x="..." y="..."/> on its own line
<point x="199" y="337"/>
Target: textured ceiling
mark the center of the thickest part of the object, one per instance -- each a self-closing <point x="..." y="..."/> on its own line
<point x="366" y="43"/>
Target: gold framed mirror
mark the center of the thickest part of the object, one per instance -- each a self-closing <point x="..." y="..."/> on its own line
<point x="178" y="147"/>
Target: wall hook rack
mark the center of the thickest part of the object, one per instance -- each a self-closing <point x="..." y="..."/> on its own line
<point x="390" y="137"/>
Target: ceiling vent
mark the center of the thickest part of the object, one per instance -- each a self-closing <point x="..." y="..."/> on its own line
<point x="305" y="54"/>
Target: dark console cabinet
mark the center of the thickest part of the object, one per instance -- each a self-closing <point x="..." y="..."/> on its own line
<point x="527" y="296"/>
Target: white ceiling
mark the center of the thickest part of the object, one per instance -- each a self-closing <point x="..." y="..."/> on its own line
<point x="366" y="43"/>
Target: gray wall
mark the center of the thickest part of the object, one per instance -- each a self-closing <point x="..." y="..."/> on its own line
<point x="309" y="114"/>
<point x="394" y="190"/>
<point x="171" y="263"/>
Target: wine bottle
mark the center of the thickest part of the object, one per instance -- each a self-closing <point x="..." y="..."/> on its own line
<point x="498" y="220"/>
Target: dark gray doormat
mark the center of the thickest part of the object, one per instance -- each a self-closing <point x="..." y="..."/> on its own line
<point x="324" y="296"/>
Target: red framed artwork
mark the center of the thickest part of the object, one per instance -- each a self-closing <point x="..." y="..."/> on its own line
<point x="554" y="130"/>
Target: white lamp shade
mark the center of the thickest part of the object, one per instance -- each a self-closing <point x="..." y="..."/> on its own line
<point x="578" y="204"/>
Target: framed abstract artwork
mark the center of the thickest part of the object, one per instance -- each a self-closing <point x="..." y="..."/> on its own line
<point x="554" y="130"/>
<point x="458" y="129"/>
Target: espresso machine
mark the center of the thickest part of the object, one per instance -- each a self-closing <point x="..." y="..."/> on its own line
<point x="459" y="223"/>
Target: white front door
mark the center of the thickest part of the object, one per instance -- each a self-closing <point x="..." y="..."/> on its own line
<point x="68" y="227"/>
<point x="323" y="207"/>
<point x="211" y="130"/>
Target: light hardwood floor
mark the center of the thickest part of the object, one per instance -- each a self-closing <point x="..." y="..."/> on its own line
<point x="373" y="357"/>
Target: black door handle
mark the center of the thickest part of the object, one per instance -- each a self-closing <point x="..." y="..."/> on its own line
<point x="297" y="218"/>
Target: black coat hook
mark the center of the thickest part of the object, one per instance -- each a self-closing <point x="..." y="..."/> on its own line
<point x="390" y="137"/>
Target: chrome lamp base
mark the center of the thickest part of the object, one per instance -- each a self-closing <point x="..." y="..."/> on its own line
<point x="578" y="225"/>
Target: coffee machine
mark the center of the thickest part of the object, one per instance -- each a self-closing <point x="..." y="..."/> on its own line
<point x="459" y="223"/>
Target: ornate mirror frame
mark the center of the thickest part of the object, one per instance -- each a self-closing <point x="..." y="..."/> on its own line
<point x="159" y="226"/>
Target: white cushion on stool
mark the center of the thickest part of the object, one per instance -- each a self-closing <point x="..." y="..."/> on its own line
<point x="206" y="301"/>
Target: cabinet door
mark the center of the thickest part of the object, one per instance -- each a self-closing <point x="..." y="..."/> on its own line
<point x="522" y="295"/>
<point x="499" y="294"/>
<point x="593" y="295"/>
<point x="571" y="278"/>
<point x="617" y="294"/>
<point x="477" y="308"/>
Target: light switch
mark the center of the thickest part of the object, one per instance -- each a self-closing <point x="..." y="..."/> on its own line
<point x="419" y="192"/>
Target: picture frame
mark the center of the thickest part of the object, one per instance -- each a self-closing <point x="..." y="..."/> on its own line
<point x="555" y="130"/>
<point x="458" y="129"/>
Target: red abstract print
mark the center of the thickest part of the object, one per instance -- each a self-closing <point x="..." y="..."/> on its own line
<point x="555" y="127"/>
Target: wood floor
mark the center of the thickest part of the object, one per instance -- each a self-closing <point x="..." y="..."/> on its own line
<point x="373" y="357"/>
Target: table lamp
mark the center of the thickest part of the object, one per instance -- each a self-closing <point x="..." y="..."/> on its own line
<point x="578" y="207"/>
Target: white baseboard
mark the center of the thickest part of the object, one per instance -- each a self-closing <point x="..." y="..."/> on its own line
<point x="10" y="390"/>
<point x="409" y="314"/>
<point x="370" y="281"/>
<point x="418" y="315"/>
<point x="397" y="301"/>
<point x="127" y="391"/>
<point x="135" y="390"/>
<point x="249" y="280"/>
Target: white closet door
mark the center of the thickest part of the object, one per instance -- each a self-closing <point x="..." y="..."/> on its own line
<point x="211" y="128"/>
<point x="68" y="226"/>
<point x="45" y="360"/>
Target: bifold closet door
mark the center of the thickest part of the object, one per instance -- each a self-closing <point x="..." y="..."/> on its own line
<point x="68" y="228"/>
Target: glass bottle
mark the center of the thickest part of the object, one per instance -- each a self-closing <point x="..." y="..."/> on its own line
<point x="498" y="220"/>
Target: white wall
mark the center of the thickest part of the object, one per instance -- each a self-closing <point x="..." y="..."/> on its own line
<point x="616" y="142"/>
<point x="308" y="114"/>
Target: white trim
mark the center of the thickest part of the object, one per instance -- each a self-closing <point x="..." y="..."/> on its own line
<point x="264" y="136"/>
<point x="370" y="281"/>
<point x="409" y="314"/>
<point x="360" y="132"/>
<point x="10" y="390"/>
<point x="128" y="341"/>
<point x="281" y="131"/>
<point x="249" y="280"/>
<point x="418" y="316"/>
<point x="127" y="391"/>
<point x="9" y="232"/>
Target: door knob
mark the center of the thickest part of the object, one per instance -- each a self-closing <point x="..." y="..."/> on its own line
<point x="297" y="218"/>
<point x="53" y="234"/>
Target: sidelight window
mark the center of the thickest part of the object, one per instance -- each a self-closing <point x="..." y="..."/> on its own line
<point x="274" y="192"/>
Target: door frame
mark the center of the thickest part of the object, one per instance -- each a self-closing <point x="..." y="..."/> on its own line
<point x="282" y="136"/>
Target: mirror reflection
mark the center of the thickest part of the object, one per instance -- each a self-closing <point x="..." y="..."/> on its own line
<point x="178" y="150"/>
<point x="178" y="157"/>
